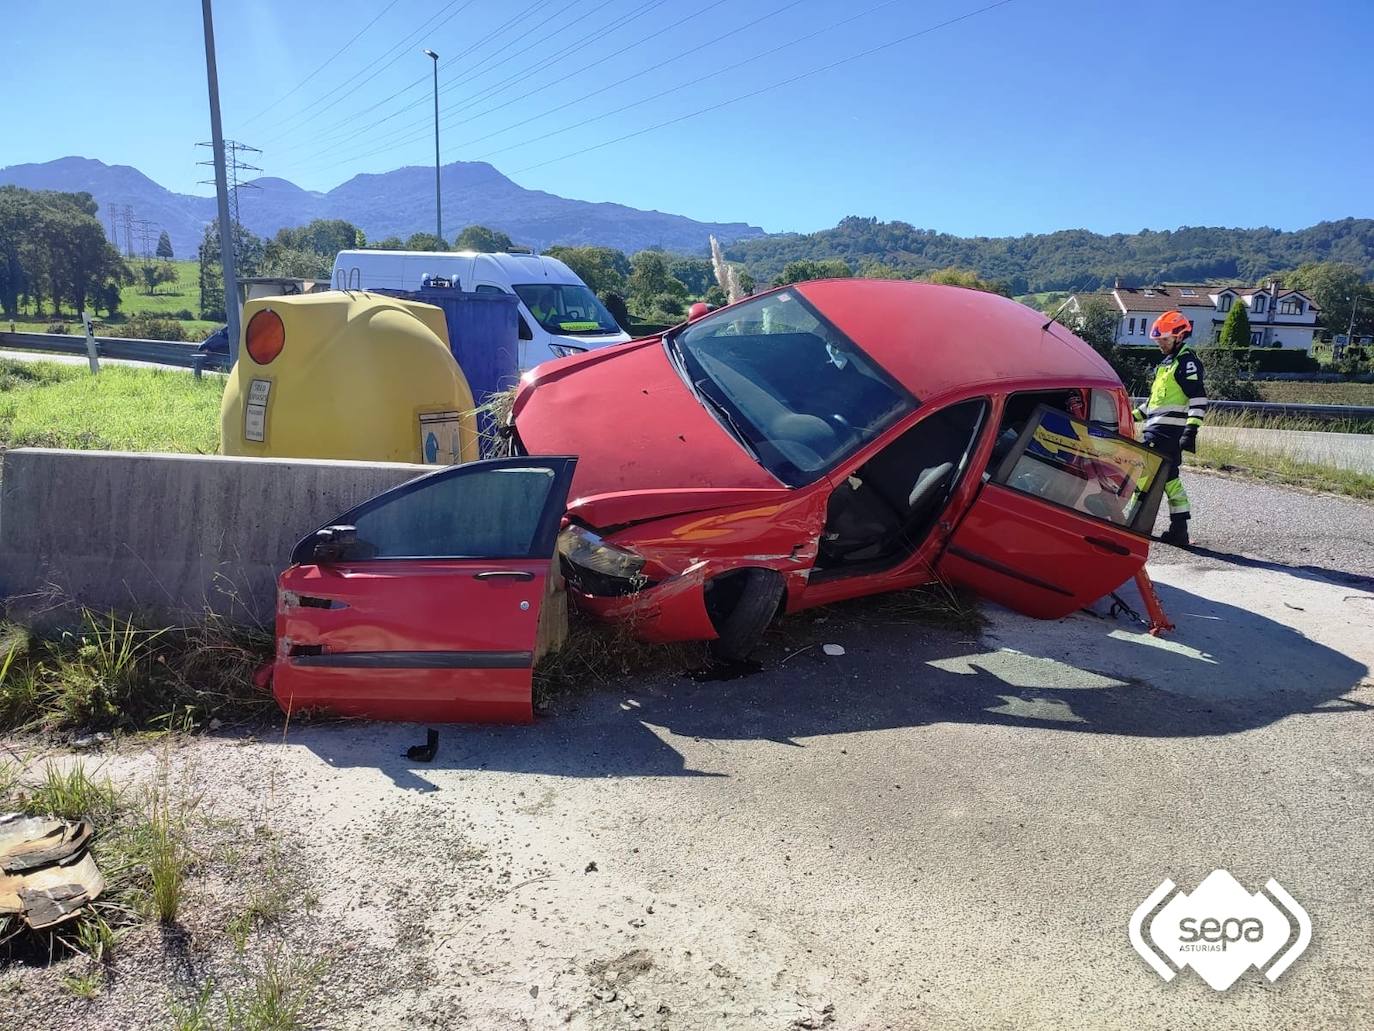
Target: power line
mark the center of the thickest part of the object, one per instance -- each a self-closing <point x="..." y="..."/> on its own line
<point x="326" y="64"/>
<point x="339" y="93"/>
<point x="421" y="128"/>
<point x="232" y="167"/>
<point x="765" y="89"/>
<point x="349" y="124"/>
<point x="751" y="59"/>
<point x="348" y="128"/>
<point x="450" y="120"/>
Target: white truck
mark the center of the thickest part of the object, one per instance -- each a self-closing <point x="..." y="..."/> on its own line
<point x="559" y="315"/>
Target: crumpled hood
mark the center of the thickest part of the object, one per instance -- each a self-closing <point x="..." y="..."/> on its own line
<point x="645" y="446"/>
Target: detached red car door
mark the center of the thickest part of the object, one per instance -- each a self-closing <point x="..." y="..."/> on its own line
<point x="423" y="603"/>
<point x="1063" y="520"/>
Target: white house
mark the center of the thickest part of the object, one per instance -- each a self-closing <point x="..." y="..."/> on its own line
<point x="1278" y="317"/>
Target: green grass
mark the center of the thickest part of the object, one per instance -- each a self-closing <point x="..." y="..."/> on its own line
<point x="182" y="294"/>
<point x="44" y="404"/>
<point x="1298" y="392"/>
<point x="1277" y="467"/>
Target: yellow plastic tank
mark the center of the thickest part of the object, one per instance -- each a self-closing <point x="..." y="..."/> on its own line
<point x="350" y="375"/>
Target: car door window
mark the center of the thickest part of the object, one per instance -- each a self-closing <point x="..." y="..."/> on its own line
<point x="1085" y="467"/>
<point x="496" y="509"/>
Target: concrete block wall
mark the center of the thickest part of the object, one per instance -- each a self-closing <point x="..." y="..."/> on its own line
<point x="164" y="537"/>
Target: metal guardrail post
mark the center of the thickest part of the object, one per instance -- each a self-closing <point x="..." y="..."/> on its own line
<point x="92" y="352"/>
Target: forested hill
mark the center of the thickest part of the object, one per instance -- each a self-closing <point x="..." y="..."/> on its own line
<point x="1071" y="259"/>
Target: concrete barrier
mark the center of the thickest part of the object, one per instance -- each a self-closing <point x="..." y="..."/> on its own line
<point x="163" y="537"/>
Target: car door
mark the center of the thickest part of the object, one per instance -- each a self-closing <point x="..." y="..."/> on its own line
<point x="1062" y="521"/>
<point x="424" y="602"/>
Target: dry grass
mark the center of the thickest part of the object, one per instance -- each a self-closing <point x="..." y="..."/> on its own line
<point x="1300" y="392"/>
<point x="1279" y="467"/>
<point x="112" y="673"/>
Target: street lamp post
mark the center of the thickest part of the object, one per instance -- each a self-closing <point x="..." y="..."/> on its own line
<point x="438" y="203"/>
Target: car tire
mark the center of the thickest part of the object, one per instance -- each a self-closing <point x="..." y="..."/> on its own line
<point x="759" y="594"/>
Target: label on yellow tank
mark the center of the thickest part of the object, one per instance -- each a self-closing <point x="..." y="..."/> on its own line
<point x="255" y="411"/>
<point x="440" y="438"/>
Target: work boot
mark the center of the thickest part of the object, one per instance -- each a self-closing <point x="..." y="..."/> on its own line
<point x="1177" y="533"/>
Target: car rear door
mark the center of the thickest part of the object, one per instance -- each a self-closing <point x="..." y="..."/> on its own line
<point x="424" y="602"/>
<point x="1062" y="521"/>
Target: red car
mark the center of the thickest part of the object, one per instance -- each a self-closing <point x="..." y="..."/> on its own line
<point x="819" y="442"/>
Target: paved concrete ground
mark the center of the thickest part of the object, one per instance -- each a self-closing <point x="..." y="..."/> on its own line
<point x="1343" y="450"/>
<point x="938" y="829"/>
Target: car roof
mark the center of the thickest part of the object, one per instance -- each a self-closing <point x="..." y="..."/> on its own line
<point x="935" y="339"/>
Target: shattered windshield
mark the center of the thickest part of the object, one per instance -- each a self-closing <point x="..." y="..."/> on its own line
<point x="564" y="308"/>
<point x="790" y="387"/>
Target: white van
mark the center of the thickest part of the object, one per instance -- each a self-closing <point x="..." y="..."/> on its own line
<point x="559" y="314"/>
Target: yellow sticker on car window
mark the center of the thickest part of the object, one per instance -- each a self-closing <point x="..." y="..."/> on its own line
<point x="578" y="327"/>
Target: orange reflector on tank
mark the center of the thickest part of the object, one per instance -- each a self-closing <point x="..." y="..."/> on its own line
<point x="265" y="336"/>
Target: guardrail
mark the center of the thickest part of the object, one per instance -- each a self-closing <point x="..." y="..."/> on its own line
<point x="1279" y="409"/>
<point x="159" y="352"/>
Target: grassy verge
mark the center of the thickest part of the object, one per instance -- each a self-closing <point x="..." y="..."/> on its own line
<point x="1298" y="392"/>
<point x="1254" y="421"/>
<point x="114" y="675"/>
<point x="1277" y="467"/>
<point x="46" y="404"/>
<point x="172" y="300"/>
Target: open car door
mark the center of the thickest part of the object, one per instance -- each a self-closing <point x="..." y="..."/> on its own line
<point x="1063" y="520"/>
<point x="423" y="603"/>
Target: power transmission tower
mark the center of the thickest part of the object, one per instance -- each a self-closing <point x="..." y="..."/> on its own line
<point x="145" y="231"/>
<point x="128" y="231"/>
<point x="234" y="165"/>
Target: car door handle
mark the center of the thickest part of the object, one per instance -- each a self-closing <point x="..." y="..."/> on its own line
<point x="1106" y="545"/>
<point x="503" y="574"/>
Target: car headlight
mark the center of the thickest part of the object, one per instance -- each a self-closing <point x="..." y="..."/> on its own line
<point x="585" y="549"/>
<point x="566" y="350"/>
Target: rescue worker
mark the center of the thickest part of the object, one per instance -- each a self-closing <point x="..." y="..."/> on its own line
<point x="1173" y="413"/>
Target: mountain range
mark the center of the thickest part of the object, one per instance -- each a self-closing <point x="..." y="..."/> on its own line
<point x="395" y="203"/>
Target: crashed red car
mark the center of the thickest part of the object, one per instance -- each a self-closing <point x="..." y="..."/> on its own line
<point x="819" y="442"/>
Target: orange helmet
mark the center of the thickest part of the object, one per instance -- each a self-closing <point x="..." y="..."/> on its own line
<point x="1171" y="323"/>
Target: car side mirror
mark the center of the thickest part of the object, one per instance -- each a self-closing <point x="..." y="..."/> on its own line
<point x="334" y="544"/>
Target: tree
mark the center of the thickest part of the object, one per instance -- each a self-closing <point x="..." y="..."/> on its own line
<point x="805" y="269"/>
<point x="164" y="245"/>
<point x="652" y="287"/>
<point x="604" y="269"/>
<point x="325" y="236"/>
<point x="425" y="242"/>
<point x="1235" y="331"/>
<point x="697" y="274"/>
<point x="482" y="240"/>
<point x="248" y="259"/>
<point x="968" y="280"/>
<point x="389" y="243"/>
<point x="155" y="273"/>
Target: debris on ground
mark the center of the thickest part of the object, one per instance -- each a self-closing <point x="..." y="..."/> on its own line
<point x="833" y="649"/>
<point x="425" y="753"/>
<point x="46" y="873"/>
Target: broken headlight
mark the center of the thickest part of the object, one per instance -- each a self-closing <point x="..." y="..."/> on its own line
<point x="586" y="550"/>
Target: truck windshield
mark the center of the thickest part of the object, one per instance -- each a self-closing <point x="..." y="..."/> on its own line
<point x="797" y="393"/>
<point x="567" y="309"/>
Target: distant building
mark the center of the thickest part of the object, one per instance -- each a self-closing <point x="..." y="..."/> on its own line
<point x="1278" y="317"/>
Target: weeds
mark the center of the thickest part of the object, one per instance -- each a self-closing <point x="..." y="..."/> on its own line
<point x="193" y="1015"/>
<point x="113" y="673"/>
<point x="73" y="794"/>
<point x="1279" y="467"/>
<point x="165" y="855"/>
<point x="87" y="985"/>
<point x="279" y="994"/>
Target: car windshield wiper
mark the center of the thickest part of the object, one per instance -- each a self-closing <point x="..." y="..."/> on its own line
<point x="723" y="411"/>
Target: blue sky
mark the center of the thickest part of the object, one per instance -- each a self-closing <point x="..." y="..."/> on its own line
<point x="1033" y="116"/>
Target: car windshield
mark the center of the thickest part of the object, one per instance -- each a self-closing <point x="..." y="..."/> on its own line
<point x="565" y="308"/>
<point x="797" y="394"/>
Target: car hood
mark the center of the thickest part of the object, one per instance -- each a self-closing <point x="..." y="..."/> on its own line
<point x="646" y="447"/>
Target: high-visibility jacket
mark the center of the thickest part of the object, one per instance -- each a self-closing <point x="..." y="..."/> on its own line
<point x="1178" y="397"/>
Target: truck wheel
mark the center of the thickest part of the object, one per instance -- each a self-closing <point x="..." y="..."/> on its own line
<point x="741" y="605"/>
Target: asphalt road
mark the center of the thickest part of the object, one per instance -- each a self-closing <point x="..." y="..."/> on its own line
<point x="940" y="828"/>
<point x="1344" y="450"/>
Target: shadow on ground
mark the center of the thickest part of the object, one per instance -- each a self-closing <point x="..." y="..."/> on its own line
<point x="1224" y="671"/>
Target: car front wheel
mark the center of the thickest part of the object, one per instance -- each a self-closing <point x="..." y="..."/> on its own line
<point x="741" y="605"/>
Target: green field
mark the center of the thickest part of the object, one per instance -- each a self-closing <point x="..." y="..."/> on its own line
<point x="171" y="298"/>
<point x="45" y="404"/>
<point x="1296" y="392"/>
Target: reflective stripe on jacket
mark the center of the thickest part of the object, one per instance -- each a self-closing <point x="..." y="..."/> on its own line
<point x="1178" y="397"/>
